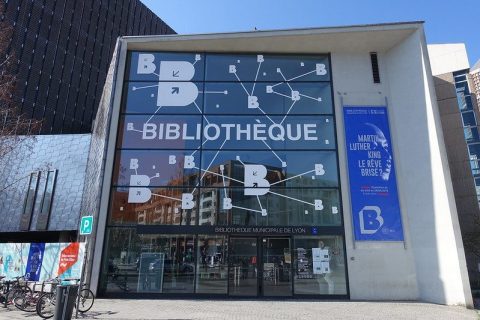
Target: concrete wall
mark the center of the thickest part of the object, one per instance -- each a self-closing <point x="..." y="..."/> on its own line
<point x="65" y="153"/>
<point x="430" y="264"/>
<point x="447" y="57"/>
<point x="424" y="177"/>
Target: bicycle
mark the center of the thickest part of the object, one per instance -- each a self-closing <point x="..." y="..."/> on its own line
<point x="46" y="303"/>
<point x="13" y="289"/>
<point x="27" y="300"/>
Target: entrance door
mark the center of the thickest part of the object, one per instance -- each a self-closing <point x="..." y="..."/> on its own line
<point x="276" y="267"/>
<point x="260" y="266"/>
<point x="243" y="271"/>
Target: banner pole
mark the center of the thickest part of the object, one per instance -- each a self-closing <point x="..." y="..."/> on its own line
<point x="82" y="276"/>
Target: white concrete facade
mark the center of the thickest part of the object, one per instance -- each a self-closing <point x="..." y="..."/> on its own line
<point x="448" y="57"/>
<point x="430" y="264"/>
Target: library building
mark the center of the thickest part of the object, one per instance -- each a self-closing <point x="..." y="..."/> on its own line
<point x="297" y="164"/>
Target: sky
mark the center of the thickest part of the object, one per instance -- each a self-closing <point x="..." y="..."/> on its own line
<point x="446" y="21"/>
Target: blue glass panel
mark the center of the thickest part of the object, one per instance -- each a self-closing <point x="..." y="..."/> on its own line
<point x="163" y="97"/>
<point x="471" y="134"/>
<point x="267" y="97"/>
<point x="160" y="132"/>
<point x="284" y="168"/>
<point x="474" y="151"/>
<point x="242" y="67"/>
<point x="165" y="66"/>
<point x="161" y="168"/>
<point x="269" y="132"/>
<point x="469" y="119"/>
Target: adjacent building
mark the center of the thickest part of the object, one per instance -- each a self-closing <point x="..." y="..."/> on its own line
<point x="455" y="86"/>
<point x="475" y="73"/>
<point x="63" y="49"/>
<point x="286" y="164"/>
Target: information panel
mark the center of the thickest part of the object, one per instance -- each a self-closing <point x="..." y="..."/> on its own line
<point x="373" y="184"/>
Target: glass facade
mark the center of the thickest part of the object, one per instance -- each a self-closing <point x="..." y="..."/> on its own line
<point x="470" y="124"/>
<point x="226" y="179"/>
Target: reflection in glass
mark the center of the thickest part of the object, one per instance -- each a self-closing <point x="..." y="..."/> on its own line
<point x="212" y="265"/>
<point x="269" y="132"/>
<point x="264" y="67"/>
<point x="166" y="66"/>
<point x="156" y="97"/>
<point x="243" y="275"/>
<point x="273" y="98"/>
<point x="159" y="132"/>
<point x="148" y="263"/>
<point x="161" y="206"/>
<point x="319" y="265"/>
<point x="284" y="168"/>
<point x="469" y="119"/>
<point x="162" y="168"/>
<point x="276" y="268"/>
<point x="282" y="207"/>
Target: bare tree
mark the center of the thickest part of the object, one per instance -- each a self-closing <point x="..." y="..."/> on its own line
<point x="16" y="130"/>
<point x="14" y="126"/>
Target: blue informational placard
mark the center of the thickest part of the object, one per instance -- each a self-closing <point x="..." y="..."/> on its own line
<point x="373" y="184"/>
<point x="34" y="263"/>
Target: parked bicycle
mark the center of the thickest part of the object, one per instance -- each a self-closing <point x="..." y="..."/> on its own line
<point x="11" y="289"/>
<point x="27" y="300"/>
<point x="46" y="303"/>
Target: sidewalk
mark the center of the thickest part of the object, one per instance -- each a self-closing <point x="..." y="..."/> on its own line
<point x="245" y="309"/>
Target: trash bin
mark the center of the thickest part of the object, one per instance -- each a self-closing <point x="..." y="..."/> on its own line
<point x="66" y="296"/>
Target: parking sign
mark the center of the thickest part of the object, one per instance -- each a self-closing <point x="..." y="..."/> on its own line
<point x="86" y="225"/>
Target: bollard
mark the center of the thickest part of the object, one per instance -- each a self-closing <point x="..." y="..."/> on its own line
<point x="65" y="302"/>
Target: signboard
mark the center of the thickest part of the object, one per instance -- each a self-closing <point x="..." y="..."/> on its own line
<point x="373" y="185"/>
<point x="34" y="263"/>
<point x="86" y="225"/>
<point x="41" y="261"/>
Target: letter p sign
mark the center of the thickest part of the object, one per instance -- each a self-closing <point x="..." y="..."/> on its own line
<point x="86" y="225"/>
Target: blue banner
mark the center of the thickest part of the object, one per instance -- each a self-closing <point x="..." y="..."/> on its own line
<point x="373" y="184"/>
<point x="34" y="263"/>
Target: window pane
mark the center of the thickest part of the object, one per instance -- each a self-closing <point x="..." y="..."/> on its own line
<point x="283" y="168"/>
<point x="284" y="207"/>
<point x="243" y="67"/>
<point x="147" y="206"/>
<point x="462" y="102"/>
<point x="471" y="134"/>
<point x="469" y="119"/>
<point x="272" y="98"/>
<point x="248" y="132"/>
<point x="148" y="263"/>
<point x="166" y="66"/>
<point x="474" y="150"/>
<point x="160" y="97"/>
<point x="159" y="132"/>
<point x="212" y="264"/>
<point x="158" y="168"/>
<point x="319" y="265"/>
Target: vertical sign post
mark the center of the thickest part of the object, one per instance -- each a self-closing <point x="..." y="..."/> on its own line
<point x="86" y="227"/>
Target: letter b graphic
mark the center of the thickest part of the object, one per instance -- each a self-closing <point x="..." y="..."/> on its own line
<point x="255" y="182"/>
<point x="371" y="220"/>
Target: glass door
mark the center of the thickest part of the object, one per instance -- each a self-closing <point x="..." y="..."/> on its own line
<point x="276" y="267"/>
<point x="243" y="270"/>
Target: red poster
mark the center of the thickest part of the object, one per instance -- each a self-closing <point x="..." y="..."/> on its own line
<point x="68" y="257"/>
